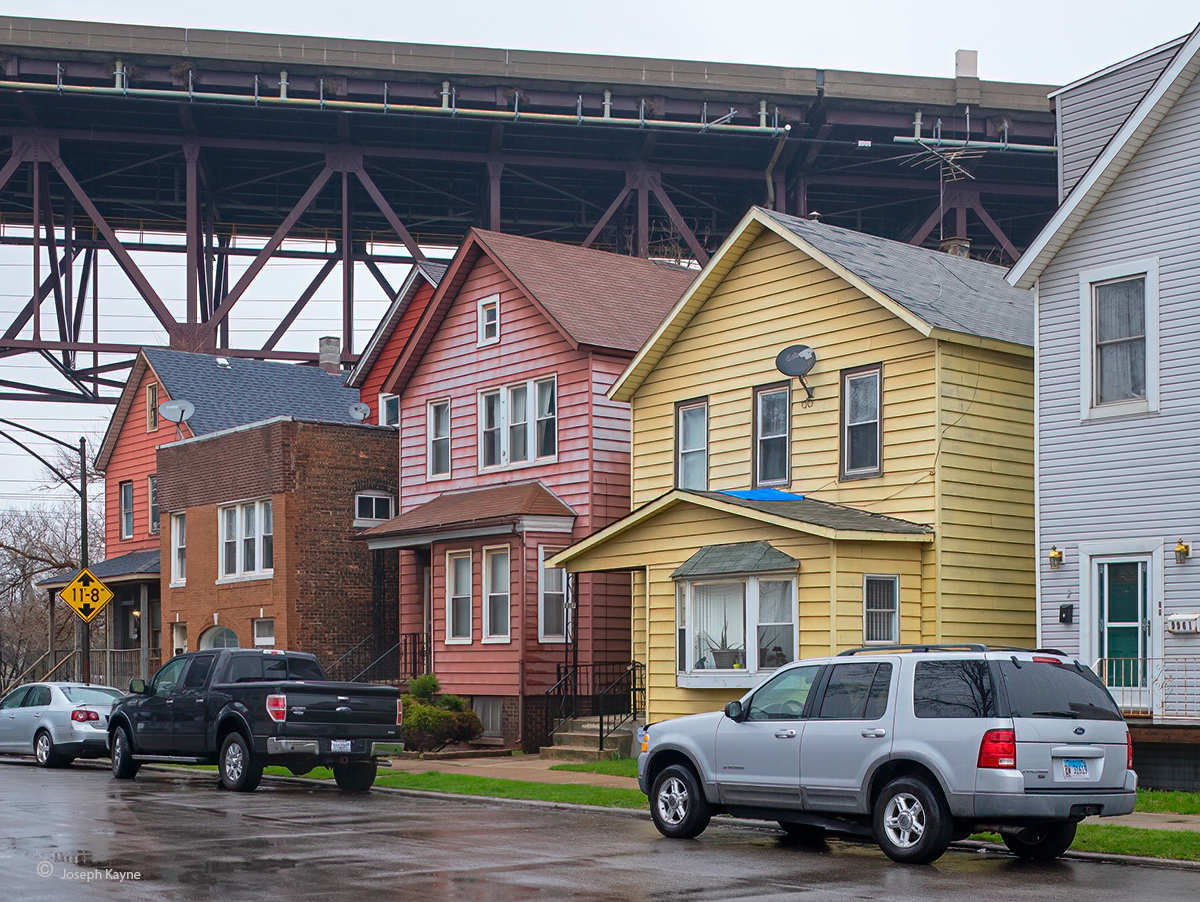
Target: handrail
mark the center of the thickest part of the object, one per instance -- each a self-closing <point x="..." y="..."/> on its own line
<point x="350" y="651"/>
<point x="28" y="670"/>
<point x="354" y="679"/>
<point x="627" y="679"/>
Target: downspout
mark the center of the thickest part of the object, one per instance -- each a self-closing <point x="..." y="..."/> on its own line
<point x="774" y="159"/>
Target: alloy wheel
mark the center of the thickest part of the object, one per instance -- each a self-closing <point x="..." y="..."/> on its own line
<point x="235" y="762"/>
<point x="673" y="801"/>
<point x="904" y="819"/>
<point x="41" y="749"/>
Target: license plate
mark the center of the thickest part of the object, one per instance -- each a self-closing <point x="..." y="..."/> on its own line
<point x="1075" y="768"/>
<point x="343" y="745"/>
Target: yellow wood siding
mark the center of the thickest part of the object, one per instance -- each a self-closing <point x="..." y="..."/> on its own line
<point x="985" y="544"/>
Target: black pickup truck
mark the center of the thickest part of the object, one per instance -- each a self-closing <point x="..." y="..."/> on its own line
<point x="244" y="708"/>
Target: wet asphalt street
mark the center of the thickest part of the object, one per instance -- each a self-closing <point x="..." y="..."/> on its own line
<point x="188" y="840"/>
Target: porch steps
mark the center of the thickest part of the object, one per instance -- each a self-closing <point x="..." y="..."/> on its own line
<point x="579" y="740"/>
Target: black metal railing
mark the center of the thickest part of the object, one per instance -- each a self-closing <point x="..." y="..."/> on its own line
<point x="613" y="692"/>
<point x="351" y="661"/>
<point x="618" y="703"/>
<point x="414" y="656"/>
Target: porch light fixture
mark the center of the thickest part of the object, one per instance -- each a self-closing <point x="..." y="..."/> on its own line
<point x="1183" y="551"/>
<point x="1055" y="557"/>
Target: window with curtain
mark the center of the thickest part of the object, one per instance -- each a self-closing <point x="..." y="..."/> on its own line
<point x="771" y="435"/>
<point x="552" y="594"/>
<point x="691" y="443"/>
<point x="518" y="424"/>
<point x="1119" y="330"/>
<point x="719" y="625"/>
<point x="246" y="539"/>
<point x="715" y="617"/>
<point x="458" y="596"/>
<point x="495" y="576"/>
<point x="776" y="632"/>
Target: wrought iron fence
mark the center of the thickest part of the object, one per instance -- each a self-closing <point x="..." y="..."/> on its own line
<point x="1164" y="688"/>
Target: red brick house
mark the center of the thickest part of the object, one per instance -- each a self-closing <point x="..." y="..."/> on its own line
<point x="510" y="451"/>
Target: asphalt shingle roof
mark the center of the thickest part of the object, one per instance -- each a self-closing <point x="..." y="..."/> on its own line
<point x="737" y="557"/>
<point x="476" y="507"/>
<point x="821" y="513"/>
<point x="250" y="391"/>
<point x="135" y="563"/>
<point x="947" y="292"/>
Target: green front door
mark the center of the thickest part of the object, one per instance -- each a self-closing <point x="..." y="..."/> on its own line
<point x="1124" y="623"/>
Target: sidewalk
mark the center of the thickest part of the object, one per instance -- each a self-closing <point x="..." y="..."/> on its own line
<point x="533" y="769"/>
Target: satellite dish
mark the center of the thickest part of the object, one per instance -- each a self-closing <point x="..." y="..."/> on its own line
<point x="176" y="411"/>
<point x="796" y="360"/>
<point x="360" y="411"/>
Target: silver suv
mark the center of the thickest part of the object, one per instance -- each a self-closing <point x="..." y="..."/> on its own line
<point x="916" y="746"/>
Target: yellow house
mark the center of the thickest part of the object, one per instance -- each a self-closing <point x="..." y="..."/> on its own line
<point x="880" y="493"/>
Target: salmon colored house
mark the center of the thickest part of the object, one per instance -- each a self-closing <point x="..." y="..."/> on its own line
<point x="509" y="452"/>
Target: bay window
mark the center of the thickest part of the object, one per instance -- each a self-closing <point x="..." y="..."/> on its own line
<point x="247" y="539"/>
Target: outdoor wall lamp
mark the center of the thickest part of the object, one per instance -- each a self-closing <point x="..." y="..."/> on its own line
<point x="1055" y="557"/>
<point x="1183" y="551"/>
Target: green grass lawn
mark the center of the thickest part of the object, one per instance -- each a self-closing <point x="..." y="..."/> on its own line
<point x="1181" y="845"/>
<point x="496" y="787"/>
<point x="614" y="767"/>
<point x="1162" y="802"/>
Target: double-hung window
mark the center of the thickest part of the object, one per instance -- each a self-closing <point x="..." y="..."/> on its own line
<point x="881" y="606"/>
<point x="438" y="429"/>
<point x="458" y="597"/>
<point x="125" y="491"/>
<point x="495" y="594"/>
<point x="247" y="539"/>
<point x="771" y="445"/>
<point x="152" y="407"/>
<point x="730" y="629"/>
<point x="518" y="423"/>
<point x="178" y="549"/>
<point x="552" y="599"/>
<point x="861" y="422"/>
<point x="1119" y="339"/>
<point x="691" y="444"/>
<point x="389" y="410"/>
<point x="152" y="486"/>
<point x="488" y="321"/>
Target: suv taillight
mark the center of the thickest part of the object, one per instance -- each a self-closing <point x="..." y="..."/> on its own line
<point x="82" y="716"/>
<point x="998" y="749"/>
<point x="277" y="707"/>
<point x="399" y="712"/>
<point x="1129" y="751"/>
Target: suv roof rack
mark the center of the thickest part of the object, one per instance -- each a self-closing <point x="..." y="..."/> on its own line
<point x="965" y="646"/>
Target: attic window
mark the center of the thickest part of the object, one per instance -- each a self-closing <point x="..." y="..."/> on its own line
<point x="152" y="407"/>
<point x="489" y="321"/>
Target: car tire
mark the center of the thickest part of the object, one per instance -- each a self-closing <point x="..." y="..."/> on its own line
<point x="123" y="765"/>
<point x="356" y="776"/>
<point x="808" y="834"/>
<point x="912" y="823"/>
<point x="240" y="769"/>
<point x="1043" y="842"/>
<point x="44" y="752"/>
<point x="677" y="803"/>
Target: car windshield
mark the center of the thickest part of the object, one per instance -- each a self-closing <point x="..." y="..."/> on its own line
<point x="90" y="695"/>
<point x="1042" y="689"/>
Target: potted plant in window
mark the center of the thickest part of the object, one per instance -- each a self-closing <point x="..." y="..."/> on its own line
<point x="724" y="655"/>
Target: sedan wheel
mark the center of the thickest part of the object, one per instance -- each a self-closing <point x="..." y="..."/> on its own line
<point x="43" y="751"/>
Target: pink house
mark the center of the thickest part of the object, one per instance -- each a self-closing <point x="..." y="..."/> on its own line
<point x="510" y="451"/>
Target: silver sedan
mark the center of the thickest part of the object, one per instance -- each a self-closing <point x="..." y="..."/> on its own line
<point x="56" y="722"/>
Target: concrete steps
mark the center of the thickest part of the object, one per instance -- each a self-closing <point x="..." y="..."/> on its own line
<point x="579" y="740"/>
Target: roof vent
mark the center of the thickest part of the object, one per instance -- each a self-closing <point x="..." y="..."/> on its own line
<point x="330" y="354"/>
<point x="223" y="363"/>
<point x="814" y="216"/>
<point x="956" y="247"/>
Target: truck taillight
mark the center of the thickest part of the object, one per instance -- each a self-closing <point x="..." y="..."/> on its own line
<point x="277" y="707"/>
<point x="1129" y="751"/>
<point x="399" y="712"/>
<point x="998" y="749"/>
<point x="82" y="716"/>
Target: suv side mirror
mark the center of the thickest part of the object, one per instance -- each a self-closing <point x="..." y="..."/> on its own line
<point x="137" y="687"/>
<point x="733" y="710"/>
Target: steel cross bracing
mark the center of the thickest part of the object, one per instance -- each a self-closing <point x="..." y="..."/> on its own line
<point x="221" y="166"/>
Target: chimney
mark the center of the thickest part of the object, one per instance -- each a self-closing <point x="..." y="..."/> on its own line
<point x="331" y="354"/>
<point x="956" y="247"/>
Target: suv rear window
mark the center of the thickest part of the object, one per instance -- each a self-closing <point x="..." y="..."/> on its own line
<point x="1041" y="689"/>
<point x="953" y="689"/>
<point x="253" y="668"/>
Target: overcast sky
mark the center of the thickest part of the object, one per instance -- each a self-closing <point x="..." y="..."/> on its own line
<point x="1041" y="41"/>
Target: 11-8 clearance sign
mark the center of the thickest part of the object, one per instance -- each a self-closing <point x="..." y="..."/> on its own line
<point x="86" y="595"/>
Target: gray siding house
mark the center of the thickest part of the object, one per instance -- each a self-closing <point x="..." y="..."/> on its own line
<point x="1116" y="275"/>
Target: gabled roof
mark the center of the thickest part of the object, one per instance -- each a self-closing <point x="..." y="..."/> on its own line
<point x="134" y="566"/>
<point x="422" y="272"/>
<point x="938" y="294"/>
<point x="593" y="298"/>
<point x="234" y="393"/>
<point x="1100" y="176"/>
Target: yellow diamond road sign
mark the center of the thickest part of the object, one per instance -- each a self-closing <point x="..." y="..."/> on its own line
<point x="86" y="595"/>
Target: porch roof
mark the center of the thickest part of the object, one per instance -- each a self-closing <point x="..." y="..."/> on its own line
<point x="132" y="567"/>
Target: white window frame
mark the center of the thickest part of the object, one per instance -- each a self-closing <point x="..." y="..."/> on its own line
<point x="384" y="400"/>
<point x="489" y="555"/>
<point x="894" y="579"/>
<point x="154" y="521"/>
<point x="451" y="556"/>
<point x="125" y="511"/>
<point x="504" y="393"/>
<point x="482" y="338"/>
<point x="1088" y="279"/>
<point x="700" y="403"/>
<point x="752" y="674"/>
<point x="544" y="637"/>
<point x="263" y="527"/>
<point x="178" y="549"/>
<point x="262" y="641"/>
<point x="760" y="393"/>
<point x="848" y="376"/>
<point x="374" y="495"/>
<point x="430" y="438"/>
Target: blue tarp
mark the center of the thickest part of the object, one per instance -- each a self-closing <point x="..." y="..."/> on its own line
<point x="764" y="495"/>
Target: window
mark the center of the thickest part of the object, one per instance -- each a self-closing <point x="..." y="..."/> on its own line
<point x="953" y="689"/>
<point x="552" y="599"/>
<point x="691" y="444"/>
<point x="152" y="407"/>
<point x="247" y="539"/>
<point x="458" y="597"/>
<point x="372" y="507"/>
<point x="438" y="430"/>
<point x="881" y="609"/>
<point x="861" y="422"/>
<point x="772" y="406"/>
<point x="489" y="321"/>
<point x="785" y="696"/>
<point x="389" y="410"/>
<point x="856" y="691"/>
<point x="495" y="598"/>
<point x="163" y="682"/>
<point x="518" y="424"/>
<point x="197" y="674"/>
<point x="715" y="617"/>
<point x="222" y="637"/>
<point x="126" y="495"/>
<point x="489" y="711"/>
<point x="153" y="487"/>
<point x="178" y="549"/>
<point x="1119" y="339"/>
<point x="264" y="631"/>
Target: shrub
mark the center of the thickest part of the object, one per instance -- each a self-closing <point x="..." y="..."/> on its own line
<point x="452" y="702"/>
<point x="425" y="687"/>
<point x="428" y="728"/>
